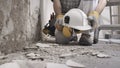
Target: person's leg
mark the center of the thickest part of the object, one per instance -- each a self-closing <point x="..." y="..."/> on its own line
<point x="85" y="39"/>
<point x="60" y="39"/>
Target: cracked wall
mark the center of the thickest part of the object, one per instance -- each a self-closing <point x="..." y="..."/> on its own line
<point x="19" y="24"/>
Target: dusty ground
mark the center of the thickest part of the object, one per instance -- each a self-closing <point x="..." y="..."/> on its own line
<point x="80" y="54"/>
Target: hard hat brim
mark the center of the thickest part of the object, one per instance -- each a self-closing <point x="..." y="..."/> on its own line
<point x="83" y="28"/>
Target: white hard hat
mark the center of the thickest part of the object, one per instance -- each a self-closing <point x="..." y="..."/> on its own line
<point x="77" y="19"/>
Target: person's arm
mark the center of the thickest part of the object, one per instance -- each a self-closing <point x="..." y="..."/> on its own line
<point x="94" y="15"/>
<point x="101" y="5"/>
<point x="58" y="13"/>
<point x="57" y="7"/>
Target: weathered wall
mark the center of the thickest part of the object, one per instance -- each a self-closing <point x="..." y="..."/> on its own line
<point x="18" y="24"/>
<point x="119" y="16"/>
<point x="119" y="13"/>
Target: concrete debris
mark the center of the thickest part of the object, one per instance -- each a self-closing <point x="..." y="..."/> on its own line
<point x="3" y="57"/>
<point x="10" y="65"/>
<point x="73" y="64"/>
<point x="100" y="55"/>
<point x="85" y="52"/>
<point x="43" y="45"/>
<point x="30" y="48"/>
<point x="97" y="54"/>
<point x="73" y="49"/>
<point x="24" y="64"/>
<point x="0" y="53"/>
<point x="34" y="56"/>
<point x="54" y="44"/>
<point x="55" y="65"/>
<point x="94" y="53"/>
<point x="67" y="55"/>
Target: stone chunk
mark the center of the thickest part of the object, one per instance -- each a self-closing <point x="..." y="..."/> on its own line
<point x="24" y="64"/>
<point x="55" y="65"/>
<point x="100" y="55"/>
<point x="30" y="48"/>
<point x="3" y="57"/>
<point x="67" y="55"/>
<point x="74" y="64"/>
<point x="42" y="45"/>
<point x="34" y="56"/>
<point x="94" y="53"/>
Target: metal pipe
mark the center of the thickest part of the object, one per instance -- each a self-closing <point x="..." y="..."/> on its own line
<point x="104" y="27"/>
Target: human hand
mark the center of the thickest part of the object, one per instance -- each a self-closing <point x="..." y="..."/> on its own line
<point x="93" y="19"/>
<point x="59" y="22"/>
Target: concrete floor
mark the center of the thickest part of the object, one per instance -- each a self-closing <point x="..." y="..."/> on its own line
<point x="81" y="54"/>
<point x="94" y="62"/>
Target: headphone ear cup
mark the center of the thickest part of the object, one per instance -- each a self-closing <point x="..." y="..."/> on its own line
<point x="67" y="32"/>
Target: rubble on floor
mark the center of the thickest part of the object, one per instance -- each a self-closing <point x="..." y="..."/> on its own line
<point x="43" y="45"/>
<point x="56" y="65"/>
<point x="34" y="56"/>
<point x="3" y="57"/>
<point x="101" y="55"/>
<point x="67" y="55"/>
<point x="40" y="64"/>
<point x="24" y="64"/>
<point x="33" y="47"/>
<point x="73" y="64"/>
<point x="96" y="53"/>
<point x="64" y="56"/>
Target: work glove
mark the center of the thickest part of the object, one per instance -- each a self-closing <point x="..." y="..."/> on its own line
<point x="59" y="22"/>
<point x="67" y="31"/>
<point x="93" y="19"/>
